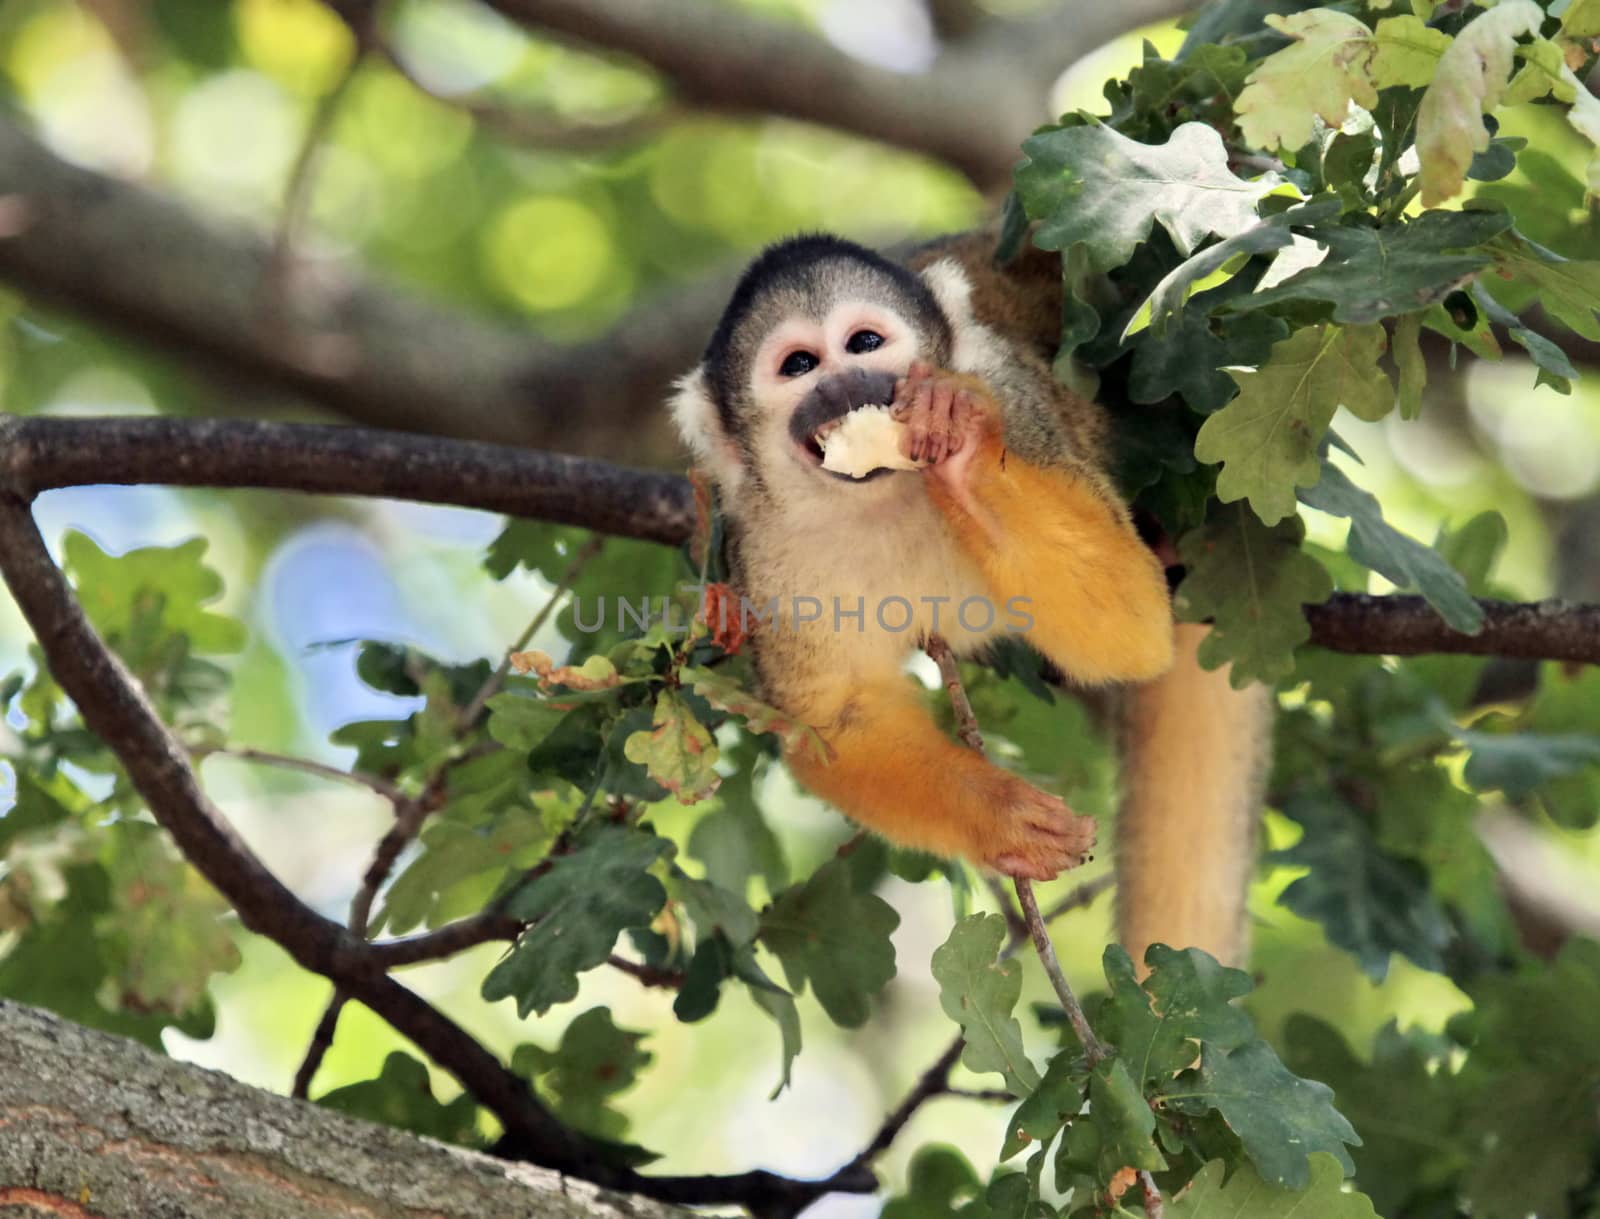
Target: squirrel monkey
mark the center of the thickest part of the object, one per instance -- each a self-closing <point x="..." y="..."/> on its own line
<point x="1007" y="521"/>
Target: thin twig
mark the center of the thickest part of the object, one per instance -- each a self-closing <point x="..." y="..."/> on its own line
<point x="373" y="783"/>
<point x="1153" y="1206"/>
<point x="298" y="190"/>
<point x="580" y="559"/>
<point x="967" y="727"/>
<point x="1093" y="1047"/>
<point x="649" y="975"/>
<point x="932" y="1082"/>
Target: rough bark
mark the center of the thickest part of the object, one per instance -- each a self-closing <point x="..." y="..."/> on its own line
<point x="97" y="1127"/>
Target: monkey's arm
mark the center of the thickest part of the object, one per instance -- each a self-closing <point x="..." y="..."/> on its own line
<point x="894" y="772"/>
<point x="1051" y="536"/>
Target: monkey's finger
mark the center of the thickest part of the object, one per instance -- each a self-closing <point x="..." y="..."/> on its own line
<point x="941" y="405"/>
<point x="1020" y="867"/>
<point x="898" y="406"/>
<point x="917" y="420"/>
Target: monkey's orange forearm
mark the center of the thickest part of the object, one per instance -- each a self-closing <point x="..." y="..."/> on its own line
<point x="895" y="773"/>
<point x="1096" y="595"/>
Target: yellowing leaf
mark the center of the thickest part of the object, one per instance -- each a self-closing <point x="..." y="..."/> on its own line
<point x="595" y="673"/>
<point x="1408" y="53"/>
<point x="1323" y="71"/>
<point x="725" y="694"/>
<point x="1472" y="78"/>
<point x="1267" y="437"/>
<point x="1582" y="19"/>
<point x="677" y="750"/>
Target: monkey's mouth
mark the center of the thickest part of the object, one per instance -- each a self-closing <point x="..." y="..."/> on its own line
<point x="825" y="406"/>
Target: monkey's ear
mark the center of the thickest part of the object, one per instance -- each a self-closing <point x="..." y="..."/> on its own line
<point x="975" y="346"/>
<point x="695" y="415"/>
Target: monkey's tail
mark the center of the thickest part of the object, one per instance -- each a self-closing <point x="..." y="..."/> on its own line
<point x="1195" y="754"/>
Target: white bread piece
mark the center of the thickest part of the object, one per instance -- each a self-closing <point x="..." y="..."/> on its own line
<point x="867" y="439"/>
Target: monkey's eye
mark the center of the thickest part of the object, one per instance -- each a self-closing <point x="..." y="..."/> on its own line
<point x="797" y="364"/>
<point x="863" y="340"/>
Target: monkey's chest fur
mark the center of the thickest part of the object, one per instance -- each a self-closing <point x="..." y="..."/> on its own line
<point x="846" y="594"/>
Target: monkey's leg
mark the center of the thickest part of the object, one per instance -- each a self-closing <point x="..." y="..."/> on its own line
<point x="1058" y="554"/>
<point x="893" y="771"/>
<point x="1194" y="758"/>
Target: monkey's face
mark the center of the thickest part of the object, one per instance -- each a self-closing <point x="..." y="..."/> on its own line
<point x="808" y="373"/>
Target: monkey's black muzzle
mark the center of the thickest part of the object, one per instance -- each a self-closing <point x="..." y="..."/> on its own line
<point x="835" y="397"/>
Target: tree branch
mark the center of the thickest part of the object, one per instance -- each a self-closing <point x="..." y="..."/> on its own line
<point x="99" y="1127"/>
<point x="146" y="266"/>
<point x="39" y="454"/>
<point x="971" y="110"/>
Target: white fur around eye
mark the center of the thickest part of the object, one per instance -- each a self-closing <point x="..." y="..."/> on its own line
<point x="695" y="415"/>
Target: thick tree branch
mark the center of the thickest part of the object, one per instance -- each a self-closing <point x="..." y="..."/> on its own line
<point x="144" y="265"/>
<point x="116" y="710"/>
<point x="971" y="110"/>
<point x="38" y="454"/>
<point x="98" y="1127"/>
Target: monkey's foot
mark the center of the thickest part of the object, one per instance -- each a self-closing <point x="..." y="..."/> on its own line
<point x="1037" y="836"/>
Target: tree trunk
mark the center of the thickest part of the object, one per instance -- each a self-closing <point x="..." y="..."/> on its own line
<point x="97" y="1127"/>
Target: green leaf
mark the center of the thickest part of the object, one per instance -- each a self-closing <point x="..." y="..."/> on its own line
<point x="1251" y="583"/>
<point x="577" y="909"/>
<point x="1187" y="356"/>
<point x="519" y="722"/>
<point x="1048" y="1107"/>
<point x="1368" y="902"/>
<point x="1403" y="1104"/>
<point x="1244" y="1195"/>
<point x="1407" y="349"/>
<point x="1320" y="73"/>
<point x="152" y="591"/>
<point x="726" y="694"/>
<point x="734" y="841"/>
<point x="1121" y="1114"/>
<point x="1280" y="1118"/>
<point x="838" y="939"/>
<point x="1267" y="438"/>
<point x="677" y="750"/>
<point x="940" y="1184"/>
<point x="595" y="1061"/>
<point x="1567" y="291"/>
<point x="978" y="992"/>
<point x="780" y="1005"/>
<point x="1091" y="186"/>
<point x="1373" y="273"/>
<point x="439" y="883"/>
<point x="1402" y="560"/>
<point x="402" y="1096"/>
<point x="1517" y="762"/>
<point x="1529" y="1083"/>
<point x="164" y="934"/>
<point x="1555" y="369"/>
<point x="1157" y="1027"/>
<point x="1471" y="79"/>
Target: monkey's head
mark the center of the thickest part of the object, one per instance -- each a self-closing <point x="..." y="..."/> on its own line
<point x="816" y="327"/>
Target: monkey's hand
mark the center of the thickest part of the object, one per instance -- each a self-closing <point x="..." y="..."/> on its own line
<point x="949" y="417"/>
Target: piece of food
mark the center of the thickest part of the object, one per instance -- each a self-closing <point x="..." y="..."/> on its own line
<point x="866" y="439"/>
